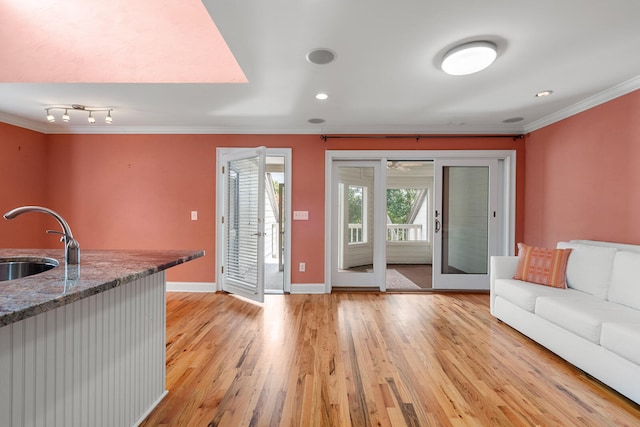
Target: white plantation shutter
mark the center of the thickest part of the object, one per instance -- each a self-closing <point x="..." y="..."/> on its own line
<point x="244" y="226"/>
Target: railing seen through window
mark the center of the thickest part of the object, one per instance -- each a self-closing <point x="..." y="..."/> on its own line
<point x="407" y="215"/>
<point x="357" y="214"/>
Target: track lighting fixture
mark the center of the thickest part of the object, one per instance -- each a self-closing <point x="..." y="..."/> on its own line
<point x="77" y="107"/>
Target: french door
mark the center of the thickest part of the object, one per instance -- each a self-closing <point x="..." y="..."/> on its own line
<point x="244" y="190"/>
<point x="466" y="220"/>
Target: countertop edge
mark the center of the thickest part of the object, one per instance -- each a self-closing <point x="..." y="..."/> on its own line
<point x="68" y="298"/>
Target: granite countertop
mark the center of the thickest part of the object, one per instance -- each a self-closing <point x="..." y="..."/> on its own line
<point x="99" y="271"/>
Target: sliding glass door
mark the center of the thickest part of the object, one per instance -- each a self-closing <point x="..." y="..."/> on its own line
<point x="466" y="219"/>
<point x="460" y="213"/>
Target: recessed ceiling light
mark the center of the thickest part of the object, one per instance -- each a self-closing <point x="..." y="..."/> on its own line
<point x="316" y="121"/>
<point x="321" y="96"/>
<point x="543" y="93"/>
<point x="321" y="56"/>
<point x="469" y="58"/>
<point x="513" y="120"/>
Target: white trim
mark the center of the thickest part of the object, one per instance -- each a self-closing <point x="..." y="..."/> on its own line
<point x="59" y="129"/>
<point x="191" y="287"/>
<point x="22" y="123"/>
<point x="586" y="104"/>
<point x="151" y="408"/>
<point x="296" y="288"/>
<point x="308" y="288"/>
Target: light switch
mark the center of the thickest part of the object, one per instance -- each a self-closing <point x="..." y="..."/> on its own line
<point x="301" y="215"/>
<point x="194" y="215"/>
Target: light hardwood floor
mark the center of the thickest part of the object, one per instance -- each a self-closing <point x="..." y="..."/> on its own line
<point x="367" y="359"/>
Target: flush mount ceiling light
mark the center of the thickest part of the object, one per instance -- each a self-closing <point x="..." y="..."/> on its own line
<point x="321" y="96"/>
<point x="469" y="58"/>
<point x="77" y="107"/>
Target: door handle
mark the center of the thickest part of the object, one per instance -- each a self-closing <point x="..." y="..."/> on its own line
<point x="437" y="226"/>
<point x="257" y="234"/>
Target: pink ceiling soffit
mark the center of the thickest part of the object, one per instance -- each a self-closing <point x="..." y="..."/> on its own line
<point x="115" y="41"/>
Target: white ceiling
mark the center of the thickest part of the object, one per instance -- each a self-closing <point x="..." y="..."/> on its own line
<point x="385" y="78"/>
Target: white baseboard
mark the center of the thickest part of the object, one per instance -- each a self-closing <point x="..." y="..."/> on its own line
<point x="191" y="287"/>
<point x="296" y="288"/>
<point x="308" y="288"/>
<point x="151" y="408"/>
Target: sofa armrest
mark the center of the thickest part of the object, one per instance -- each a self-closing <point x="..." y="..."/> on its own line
<point x="502" y="267"/>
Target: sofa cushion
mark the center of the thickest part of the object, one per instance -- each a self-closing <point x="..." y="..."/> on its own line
<point x="622" y="339"/>
<point x="625" y="279"/>
<point x="542" y="266"/>
<point x="523" y="294"/>
<point x="583" y="314"/>
<point x="589" y="268"/>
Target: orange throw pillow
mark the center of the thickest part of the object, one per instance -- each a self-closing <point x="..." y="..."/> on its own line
<point x="542" y="266"/>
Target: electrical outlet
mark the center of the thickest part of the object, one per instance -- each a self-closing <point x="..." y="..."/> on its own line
<point x="302" y="267"/>
<point x="194" y="215"/>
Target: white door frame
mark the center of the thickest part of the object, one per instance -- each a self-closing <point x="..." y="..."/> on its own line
<point x="507" y="166"/>
<point x="220" y="182"/>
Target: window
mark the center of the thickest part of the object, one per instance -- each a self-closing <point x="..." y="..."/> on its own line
<point x="357" y="214"/>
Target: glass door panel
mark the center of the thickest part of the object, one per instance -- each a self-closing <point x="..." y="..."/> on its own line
<point x="465" y="223"/>
<point x="356" y="232"/>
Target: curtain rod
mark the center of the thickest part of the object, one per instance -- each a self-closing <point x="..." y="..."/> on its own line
<point x="417" y="137"/>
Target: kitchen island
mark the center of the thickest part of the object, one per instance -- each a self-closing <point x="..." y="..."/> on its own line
<point x="85" y="345"/>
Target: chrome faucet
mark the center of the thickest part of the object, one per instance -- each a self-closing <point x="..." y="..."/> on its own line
<point x="72" y="247"/>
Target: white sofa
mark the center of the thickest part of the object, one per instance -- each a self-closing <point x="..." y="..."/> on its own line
<point x="594" y="323"/>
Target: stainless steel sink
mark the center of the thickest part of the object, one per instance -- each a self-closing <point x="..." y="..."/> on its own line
<point x="15" y="268"/>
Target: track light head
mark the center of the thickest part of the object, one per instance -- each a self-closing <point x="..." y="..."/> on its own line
<point x="65" y="116"/>
<point x="91" y="119"/>
<point x="50" y="117"/>
<point x="108" y="119"/>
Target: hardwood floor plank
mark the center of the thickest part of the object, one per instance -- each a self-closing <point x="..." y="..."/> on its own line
<point x="367" y="359"/>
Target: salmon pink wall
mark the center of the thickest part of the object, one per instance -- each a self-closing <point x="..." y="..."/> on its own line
<point x="583" y="176"/>
<point x="23" y="178"/>
<point x="138" y="191"/>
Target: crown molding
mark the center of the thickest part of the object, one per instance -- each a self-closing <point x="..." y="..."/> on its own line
<point x="469" y="129"/>
<point x="590" y="102"/>
<point x="190" y="130"/>
<point x="22" y="123"/>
